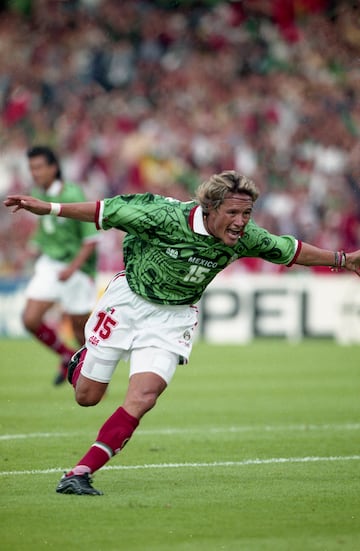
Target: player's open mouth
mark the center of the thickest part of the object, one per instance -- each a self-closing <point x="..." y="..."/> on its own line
<point x="235" y="234"/>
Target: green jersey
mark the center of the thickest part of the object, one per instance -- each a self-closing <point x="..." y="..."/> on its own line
<point x="62" y="238"/>
<point x="169" y="256"/>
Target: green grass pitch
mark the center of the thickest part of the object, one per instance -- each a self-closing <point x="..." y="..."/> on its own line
<point x="251" y="448"/>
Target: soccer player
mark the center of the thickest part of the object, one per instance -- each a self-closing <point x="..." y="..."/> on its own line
<point x="147" y="315"/>
<point x="64" y="272"/>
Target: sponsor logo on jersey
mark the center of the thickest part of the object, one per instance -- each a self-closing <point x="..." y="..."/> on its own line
<point x="172" y="252"/>
<point x="94" y="340"/>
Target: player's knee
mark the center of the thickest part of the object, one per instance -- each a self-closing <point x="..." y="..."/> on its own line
<point x="86" y="398"/>
<point x="148" y="400"/>
<point x="30" y="322"/>
<point x="142" y="401"/>
<point x="89" y="393"/>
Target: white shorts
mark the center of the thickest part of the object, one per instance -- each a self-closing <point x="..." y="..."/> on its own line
<point x="77" y="295"/>
<point x="153" y="360"/>
<point x="124" y="326"/>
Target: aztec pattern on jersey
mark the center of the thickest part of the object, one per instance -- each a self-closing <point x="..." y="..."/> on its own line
<point x="166" y="261"/>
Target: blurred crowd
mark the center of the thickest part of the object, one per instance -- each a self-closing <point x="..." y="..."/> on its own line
<point x="155" y="96"/>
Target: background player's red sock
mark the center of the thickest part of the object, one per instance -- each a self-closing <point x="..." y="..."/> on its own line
<point x="47" y="336"/>
<point x="112" y="437"/>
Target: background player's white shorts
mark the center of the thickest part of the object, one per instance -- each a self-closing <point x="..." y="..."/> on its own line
<point x="124" y="326"/>
<point x="77" y="295"/>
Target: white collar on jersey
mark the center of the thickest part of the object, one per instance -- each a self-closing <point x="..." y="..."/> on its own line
<point x="54" y="189"/>
<point x="198" y="221"/>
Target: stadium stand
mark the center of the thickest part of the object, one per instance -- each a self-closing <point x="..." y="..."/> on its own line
<point x="151" y="95"/>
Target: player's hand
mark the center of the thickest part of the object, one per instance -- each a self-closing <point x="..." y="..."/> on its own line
<point x="353" y="262"/>
<point x="65" y="274"/>
<point x="26" y="202"/>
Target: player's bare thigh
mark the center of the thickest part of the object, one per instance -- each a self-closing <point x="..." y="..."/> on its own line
<point x="151" y="370"/>
<point x="142" y="393"/>
<point x="94" y="377"/>
<point x="34" y="312"/>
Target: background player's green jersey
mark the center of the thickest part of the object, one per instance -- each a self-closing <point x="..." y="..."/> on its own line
<point x="166" y="260"/>
<point x="62" y="238"/>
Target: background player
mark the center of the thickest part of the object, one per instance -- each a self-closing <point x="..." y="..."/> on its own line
<point x="64" y="273"/>
<point x="172" y="251"/>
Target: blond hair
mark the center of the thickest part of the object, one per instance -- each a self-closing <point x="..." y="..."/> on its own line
<point x="211" y="193"/>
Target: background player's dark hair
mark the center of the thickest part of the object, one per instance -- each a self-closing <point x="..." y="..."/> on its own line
<point x="48" y="153"/>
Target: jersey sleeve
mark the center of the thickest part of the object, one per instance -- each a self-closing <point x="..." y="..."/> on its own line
<point x="138" y="214"/>
<point x="278" y="249"/>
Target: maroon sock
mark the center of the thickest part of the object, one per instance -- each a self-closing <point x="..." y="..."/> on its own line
<point x="47" y="336"/>
<point x="112" y="437"/>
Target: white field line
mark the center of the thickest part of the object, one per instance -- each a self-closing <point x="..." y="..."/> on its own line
<point x="200" y="430"/>
<point x="215" y="464"/>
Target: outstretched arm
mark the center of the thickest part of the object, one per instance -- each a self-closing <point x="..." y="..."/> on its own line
<point x="314" y="256"/>
<point x="80" y="211"/>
